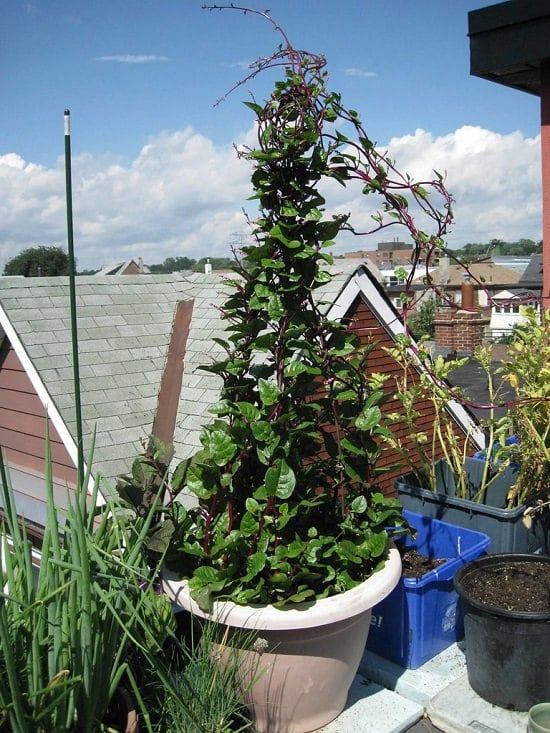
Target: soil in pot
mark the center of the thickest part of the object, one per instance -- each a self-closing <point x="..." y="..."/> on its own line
<point x="415" y="564"/>
<point x="506" y="604"/>
<point x="518" y="586"/>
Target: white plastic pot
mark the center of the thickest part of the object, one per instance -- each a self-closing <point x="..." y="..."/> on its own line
<point x="306" y="656"/>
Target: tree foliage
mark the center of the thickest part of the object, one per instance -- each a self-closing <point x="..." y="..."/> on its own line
<point x="421" y="320"/>
<point x="478" y="250"/>
<point x="177" y="264"/>
<point x="38" y="261"/>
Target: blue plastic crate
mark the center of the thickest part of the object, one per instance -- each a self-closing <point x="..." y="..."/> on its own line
<point x="421" y="617"/>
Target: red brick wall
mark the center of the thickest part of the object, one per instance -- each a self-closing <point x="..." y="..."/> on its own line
<point x="365" y="324"/>
<point x="23" y="421"/>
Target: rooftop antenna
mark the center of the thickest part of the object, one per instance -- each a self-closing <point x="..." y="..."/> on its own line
<point x="72" y="296"/>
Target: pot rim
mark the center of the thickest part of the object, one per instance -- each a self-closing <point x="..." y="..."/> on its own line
<point x="320" y="612"/>
<point x="496" y="559"/>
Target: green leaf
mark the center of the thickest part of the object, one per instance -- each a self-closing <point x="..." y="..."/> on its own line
<point x="313" y="215"/>
<point x="328" y="229"/>
<point x="280" y="479"/>
<point x="255" y="564"/>
<point x="377" y="544"/>
<point x="262" y="431"/>
<point x="294" y="549"/>
<point x="289" y="210"/>
<point x="256" y="108"/>
<point x="220" y="408"/>
<point x="299" y="597"/>
<point x="349" y="551"/>
<point x="294" y="368"/>
<point x="269" y="392"/>
<point x="248" y="410"/>
<point x="179" y="477"/>
<point x="220" y="446"/>
<point x="369" y="418"/>
<point x="348" y="445"/>
<point x="323" y="277"/>
<point x="275" y="307"/>
<point x="205" y="574"/>
<point x="201" y="481"/>
<point x="159" y="538"/>
<point x="262" y="290"/>
<point x="252" y="506"/>
<point x="249" y="525"/>
<point x="272" y="264"/>
<point x="359" y="505"/>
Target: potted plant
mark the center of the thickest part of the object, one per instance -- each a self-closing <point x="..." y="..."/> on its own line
<point x="289" y="535"/>
<point x="73" y="615"/>
<point x="491" y="491"/>
<point x="506" y="609"/>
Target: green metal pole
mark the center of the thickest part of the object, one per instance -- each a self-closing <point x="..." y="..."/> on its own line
<point x="72" y="295"/>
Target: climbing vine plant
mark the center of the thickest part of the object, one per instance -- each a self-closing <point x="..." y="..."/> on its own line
<point x="288" y="508"/>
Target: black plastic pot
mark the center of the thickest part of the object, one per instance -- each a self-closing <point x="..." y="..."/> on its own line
<point x="507" y="652"/>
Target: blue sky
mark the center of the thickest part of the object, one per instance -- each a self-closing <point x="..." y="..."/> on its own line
<point x="141" y="77"/>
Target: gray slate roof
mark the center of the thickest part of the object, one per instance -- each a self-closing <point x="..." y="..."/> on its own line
<point x="124" y="326"/>
<point x="532" y="276"/>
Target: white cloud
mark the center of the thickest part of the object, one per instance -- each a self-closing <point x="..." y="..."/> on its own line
<point x="353" y="71"/>
<point x="494" y="178"/>
<point x="180" y="195"/>
<point x="132" y="58"/>
<point x="183" y="195"/>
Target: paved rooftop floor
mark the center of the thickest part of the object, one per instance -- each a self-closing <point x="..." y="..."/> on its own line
<point x="435" y="698"/>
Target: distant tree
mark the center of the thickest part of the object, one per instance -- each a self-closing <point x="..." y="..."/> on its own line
<point x="38" y="262"/>
<point x="173" y="264"/>
<point x="474" y="251"/>
<point x="87" y="272"/>
<point x="218" y="263"/>
<point x="421" y="320"/>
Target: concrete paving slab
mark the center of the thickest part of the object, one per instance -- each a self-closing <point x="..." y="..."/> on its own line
<point x="458" y="709"/>
<point x="419" y="685"/>
<point x="372" y="709"/>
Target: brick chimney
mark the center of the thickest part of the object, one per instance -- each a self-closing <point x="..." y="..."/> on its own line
<point x="461" y="329"/>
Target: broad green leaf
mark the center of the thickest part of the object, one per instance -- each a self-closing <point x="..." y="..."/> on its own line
<point x="252" y="506"/>
<point x="369" y="418"/>
<point x="201" y="481"/>
<point x="269" y="392"/>
<point x="294" y="368"/>
<point x="219" y="445"/>
<point x="323" y="277"/>
<point x="205" y="574"/>
<point x="294" y="549"/>
<point x="348" y="550"/>
<point x="280" y="479"/>
<point x="255" y="564"/>
<point x="256" y="108"/>
<point x="249" y="525"/>
<point x="262" y="291"/>
<point x="299" y="597"/>
<point x="248" y="410"/>
<point x="262" y="430"/>
<point x="359" y="505"/>
<point x="377" y="544"/>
